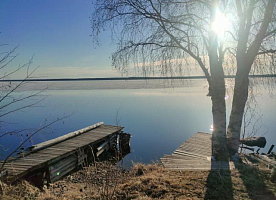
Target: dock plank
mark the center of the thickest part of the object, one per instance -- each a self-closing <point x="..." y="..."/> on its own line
<point x="194" y="154"/>
<point x="52" y="154"/>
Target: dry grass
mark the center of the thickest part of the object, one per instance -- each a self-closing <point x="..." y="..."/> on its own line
<point x="154" y="182"/>
<point x="22" y="190"/>
<point x="106" y="181"/>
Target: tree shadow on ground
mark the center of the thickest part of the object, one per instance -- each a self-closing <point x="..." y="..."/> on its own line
<point x="255" y="181"/>
<point x="245" y="182"/>
<point x="219" y="183"/>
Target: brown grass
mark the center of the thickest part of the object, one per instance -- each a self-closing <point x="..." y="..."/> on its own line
<point x="22" y="190"/>
<point x="106" y="181"/>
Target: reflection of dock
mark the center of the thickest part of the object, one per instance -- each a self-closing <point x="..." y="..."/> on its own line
<point x="194" y="154"/>
<point x="50" y="160"/>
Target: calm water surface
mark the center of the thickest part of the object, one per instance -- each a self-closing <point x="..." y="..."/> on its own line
<point x="159" y="115"/>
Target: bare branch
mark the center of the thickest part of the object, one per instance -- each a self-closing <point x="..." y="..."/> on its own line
<point x="29" y="137"/>
<point x="267" y="51"/>
<point x="254" y="47"/>
<point x="12" y="103"/>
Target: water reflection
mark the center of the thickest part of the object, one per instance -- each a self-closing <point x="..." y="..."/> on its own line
<point x="211" y="128"/>
<point x="159" y="119"/>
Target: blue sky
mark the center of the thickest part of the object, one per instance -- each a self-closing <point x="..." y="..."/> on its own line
<point x="58" y="33"/>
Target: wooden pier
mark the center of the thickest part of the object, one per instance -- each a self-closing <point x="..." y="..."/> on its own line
<point x="194" y="154"/>
<point x="51" y="160"/>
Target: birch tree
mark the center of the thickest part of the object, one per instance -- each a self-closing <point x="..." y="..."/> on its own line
<point x="255" y="48"/>
<point x="169" y="37"/>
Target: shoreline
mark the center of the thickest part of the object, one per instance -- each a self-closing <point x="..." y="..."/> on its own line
<point x="153" y="181"/>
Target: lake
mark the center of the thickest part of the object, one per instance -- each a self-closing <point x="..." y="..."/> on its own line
<point x="159" y="114"/>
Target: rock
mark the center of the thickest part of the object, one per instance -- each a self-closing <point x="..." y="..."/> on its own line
<point x="139" y="172"/>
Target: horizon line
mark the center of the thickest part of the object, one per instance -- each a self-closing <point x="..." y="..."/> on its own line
<point x="126" y="78"/>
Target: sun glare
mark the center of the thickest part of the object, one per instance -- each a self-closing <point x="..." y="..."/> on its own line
<point x="220" y="24"/>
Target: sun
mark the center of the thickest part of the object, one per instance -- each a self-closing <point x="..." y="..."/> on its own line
<point x="220" y="24"/>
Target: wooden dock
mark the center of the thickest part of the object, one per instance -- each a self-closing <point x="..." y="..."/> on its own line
<point x="194" y="154"/>
<point x="52" y="160"/>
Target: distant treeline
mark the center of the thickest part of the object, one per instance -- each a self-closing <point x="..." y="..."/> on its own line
<point x="127" y="78"/>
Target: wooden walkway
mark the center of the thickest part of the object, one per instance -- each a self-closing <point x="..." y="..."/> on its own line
<point x="59" y="159"/>
<point x="194" y="154"/>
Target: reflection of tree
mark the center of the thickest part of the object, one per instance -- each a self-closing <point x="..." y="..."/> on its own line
<point x="166" y="37"/>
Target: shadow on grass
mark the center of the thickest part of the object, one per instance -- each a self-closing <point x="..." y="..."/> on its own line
<point x="255" y="181"/>
<point x="219" y="183"/>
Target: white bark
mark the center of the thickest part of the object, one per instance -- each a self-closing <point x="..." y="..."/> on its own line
<point x="219" y="141"/>
<point x="245" y="56"/>
<point x="217" y="92"/>
<point x="238" y="105"/>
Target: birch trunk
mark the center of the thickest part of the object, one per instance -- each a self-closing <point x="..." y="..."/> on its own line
<point x="237" y="112"/>
<point x="219" y="141"/>
<point x="217" y="93"/>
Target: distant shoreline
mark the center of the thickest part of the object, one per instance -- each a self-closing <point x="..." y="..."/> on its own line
<point x="126" y="78"/>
